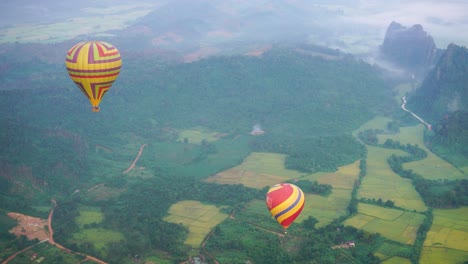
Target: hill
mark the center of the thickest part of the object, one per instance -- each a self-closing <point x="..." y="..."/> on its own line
<point x="443" y="100"/>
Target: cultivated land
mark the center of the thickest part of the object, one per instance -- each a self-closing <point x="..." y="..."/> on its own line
<point x="455" y="220"/>
<point x="394" y="224"/>
<point x="381" y="182"/>
<point x="432" y="167"/>
<point x="327" y="208"/>
<point x="258" y="170"/>
<point x="197" y="217"/>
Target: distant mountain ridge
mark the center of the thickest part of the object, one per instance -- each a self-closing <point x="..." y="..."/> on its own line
<point x="411" y="48"/>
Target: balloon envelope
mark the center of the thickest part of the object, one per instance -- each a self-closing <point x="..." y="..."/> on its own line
<point x="285" y="202"/>
<point x="93" y="66"/>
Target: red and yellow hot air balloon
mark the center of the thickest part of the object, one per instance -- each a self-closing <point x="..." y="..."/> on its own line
<point x="93" y="66"/>
<point x="285" y="202"/>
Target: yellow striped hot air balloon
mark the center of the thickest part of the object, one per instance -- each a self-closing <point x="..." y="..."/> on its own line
<point x="93" y="66"/>
<point x="285" y="202"/>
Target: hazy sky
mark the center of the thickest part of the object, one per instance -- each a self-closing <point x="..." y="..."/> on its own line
<point x="359" y="24"/>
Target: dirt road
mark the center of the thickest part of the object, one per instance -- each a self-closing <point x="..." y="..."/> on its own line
<point x="136" y="159"/>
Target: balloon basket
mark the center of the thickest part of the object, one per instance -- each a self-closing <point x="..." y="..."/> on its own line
<point x="95" y="109"/>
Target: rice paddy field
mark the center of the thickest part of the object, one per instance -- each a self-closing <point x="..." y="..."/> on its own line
<point x="432" y="167"/>
<point x="381" y="182"/>
<point x="197" y="217"/>
<point x="389" y="252"/>
<point x="394" y="224"/>
<point x="433" y="255"/>
<point x="258" y="170"/>
<point x="449" y="229"/>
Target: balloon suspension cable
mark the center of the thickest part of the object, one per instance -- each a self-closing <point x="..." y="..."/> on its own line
<point x="95" y="108"/>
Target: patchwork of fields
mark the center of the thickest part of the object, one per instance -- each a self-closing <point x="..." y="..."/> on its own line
<point x="432" y="167"/>
<point x="394" y="224"/>
<point x="449" y="229"/>
<point x="381" y="182"/>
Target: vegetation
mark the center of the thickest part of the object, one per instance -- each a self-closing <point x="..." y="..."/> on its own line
<point x="54" y="147"/>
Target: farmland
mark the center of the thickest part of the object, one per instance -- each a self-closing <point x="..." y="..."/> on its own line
<point x="382" y="183"/>
<point x="449" y="229"/>
<point x="394" y="224"/>
<point x="197" y="217"/>
<point x="257" y="171"/>
<point x="432" y="167"/>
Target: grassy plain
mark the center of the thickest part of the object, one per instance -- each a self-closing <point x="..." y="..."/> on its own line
<point x="394" y="224"/>
<point x="381" y="182"/>
<point x="197" y="217"/>
<point x="432" y="167"/>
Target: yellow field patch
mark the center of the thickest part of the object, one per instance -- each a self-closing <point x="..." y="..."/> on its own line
<point x="388" y="214"/>
<point x="325" y="209"/>
<point x="381" y="182"/>
<point x="389" y="222"/>
<point x="197" y="217"/>
<point x="449" y="229"/>
<point x="437" y="255"/>
<point x="257" y="171"/>
<point x="344" y="178"/>
<point x="432" y="167"/>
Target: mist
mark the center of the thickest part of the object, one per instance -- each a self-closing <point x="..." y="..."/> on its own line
<point x="211" y="27"/>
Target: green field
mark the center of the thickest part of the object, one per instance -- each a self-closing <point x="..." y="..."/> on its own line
<point x="394" y="224"/>
<point x="382" y="183"/>
<point x="432" y="167"/>
<point x="89" y="215"/>
<point x="389" y="252"/>
<point x="197" y="135"/>
<point x="197" y="217"/>
<point x="99" y="237"/>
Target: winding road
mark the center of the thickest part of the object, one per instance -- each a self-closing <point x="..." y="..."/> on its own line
<point x="403" y="106"/>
